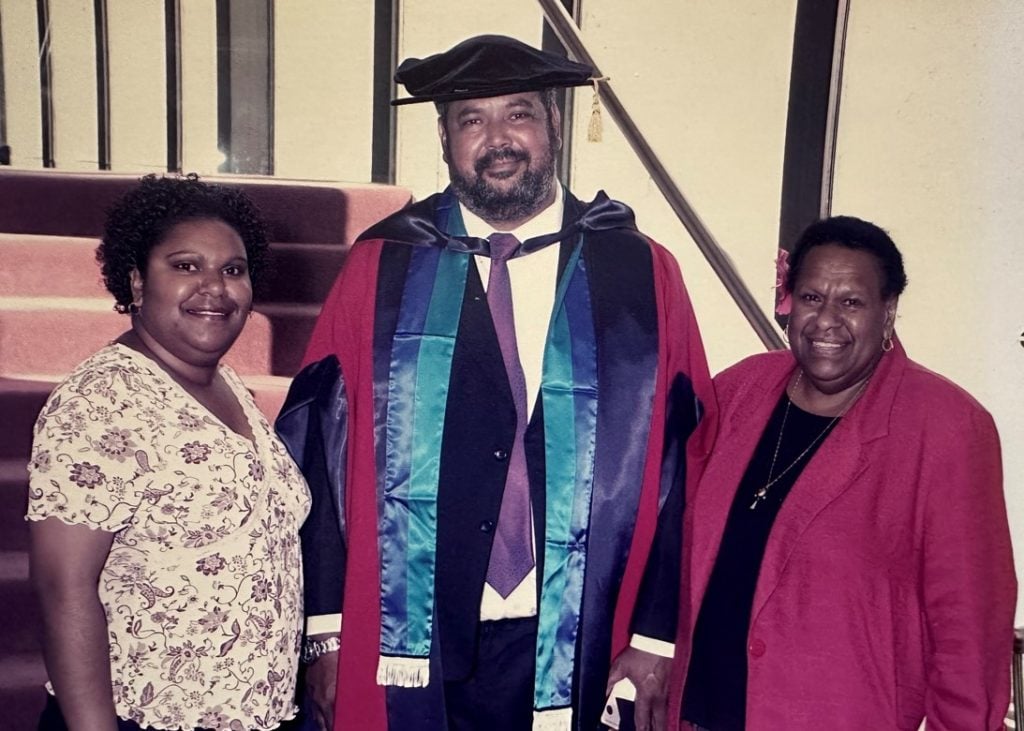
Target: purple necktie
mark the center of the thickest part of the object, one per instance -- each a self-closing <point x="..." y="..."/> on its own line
<point x="512" y="549"/>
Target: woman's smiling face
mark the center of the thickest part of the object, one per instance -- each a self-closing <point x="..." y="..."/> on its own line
<point x="196" y="293"/>
<point x="839" y="318"/>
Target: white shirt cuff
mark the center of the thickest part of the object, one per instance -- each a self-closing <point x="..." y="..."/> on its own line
<point x="323" y="624"/>
<point x="653" y="646"/>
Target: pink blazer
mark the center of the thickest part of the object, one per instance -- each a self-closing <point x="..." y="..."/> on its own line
<point x="887" y="590"/>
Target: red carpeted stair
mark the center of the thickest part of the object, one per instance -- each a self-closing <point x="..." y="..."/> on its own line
<point x="54" y="312"/>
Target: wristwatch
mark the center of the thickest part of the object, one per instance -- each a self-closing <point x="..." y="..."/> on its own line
<point x="313" y="649"/>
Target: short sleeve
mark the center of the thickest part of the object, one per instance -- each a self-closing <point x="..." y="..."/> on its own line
<point x="89" y="448"/>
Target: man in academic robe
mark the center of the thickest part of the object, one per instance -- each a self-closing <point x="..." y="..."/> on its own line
<point x="494" y="418"/>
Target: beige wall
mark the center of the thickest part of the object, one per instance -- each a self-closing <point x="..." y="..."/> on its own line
<point x="322" y="94"/>
<point x="138" y="100"/>
<point x="931" y="146"/>
<point x="707" y="83"/>
<point x="74" y="86"/>
<point x="199" y="151"/>
<point x="21" y="81"/>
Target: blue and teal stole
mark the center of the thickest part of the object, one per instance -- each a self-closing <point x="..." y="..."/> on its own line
<point x="417" y="394"/>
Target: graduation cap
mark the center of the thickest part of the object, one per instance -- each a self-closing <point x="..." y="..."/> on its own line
<point x="485" y="66"/>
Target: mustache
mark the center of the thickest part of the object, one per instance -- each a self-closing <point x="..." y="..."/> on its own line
<point x="504" y="154"/>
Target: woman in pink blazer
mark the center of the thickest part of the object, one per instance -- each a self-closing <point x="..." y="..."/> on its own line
<point x="850" y="560"/>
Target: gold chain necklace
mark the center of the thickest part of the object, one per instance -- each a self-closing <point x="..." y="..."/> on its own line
<point x="761" y="493"/>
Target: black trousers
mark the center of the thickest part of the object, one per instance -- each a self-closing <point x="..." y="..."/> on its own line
<point x="498" y="696"/>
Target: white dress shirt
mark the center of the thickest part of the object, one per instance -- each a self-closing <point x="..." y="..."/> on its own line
<point x="533" y="279"/>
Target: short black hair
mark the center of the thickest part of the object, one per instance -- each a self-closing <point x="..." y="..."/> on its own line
<point x="852" y="233"/>
<point x="143" y="216"/>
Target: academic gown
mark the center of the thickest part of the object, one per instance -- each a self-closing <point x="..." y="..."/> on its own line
<point x="655" y="421"/>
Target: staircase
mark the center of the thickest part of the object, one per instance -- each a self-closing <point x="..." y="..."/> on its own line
<point x="54" y="312"/>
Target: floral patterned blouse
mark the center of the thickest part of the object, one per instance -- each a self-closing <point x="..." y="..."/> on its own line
<point x="203" y="584"/>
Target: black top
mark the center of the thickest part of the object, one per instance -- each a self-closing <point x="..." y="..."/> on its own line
<point x="716" y="683"/>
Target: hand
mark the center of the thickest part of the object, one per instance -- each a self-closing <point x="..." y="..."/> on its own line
<point x="649" y="673"/>
<point x="321" y="685"/>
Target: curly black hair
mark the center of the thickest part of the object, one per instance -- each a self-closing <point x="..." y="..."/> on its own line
<point x="143" y="216"/>
<point x="851" y="233"/>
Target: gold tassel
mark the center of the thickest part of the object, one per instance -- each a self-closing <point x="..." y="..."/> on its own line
<point x="595" y="130"/>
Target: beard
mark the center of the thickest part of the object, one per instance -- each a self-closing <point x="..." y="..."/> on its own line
<point x="524" y="198"/>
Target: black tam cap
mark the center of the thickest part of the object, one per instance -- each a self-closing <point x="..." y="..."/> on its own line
<point x="486" y="66"/>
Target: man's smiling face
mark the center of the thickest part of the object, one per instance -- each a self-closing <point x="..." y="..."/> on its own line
<point x="500" y="154"/>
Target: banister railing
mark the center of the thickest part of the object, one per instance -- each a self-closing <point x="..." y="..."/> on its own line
<point x="568" y="33"/>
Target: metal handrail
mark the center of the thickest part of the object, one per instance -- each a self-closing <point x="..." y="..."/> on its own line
<point x="568" y="33"/>
<point x="1017" y="676"/>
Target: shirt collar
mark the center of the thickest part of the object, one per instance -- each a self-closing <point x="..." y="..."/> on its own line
<point x="547" y="221"/>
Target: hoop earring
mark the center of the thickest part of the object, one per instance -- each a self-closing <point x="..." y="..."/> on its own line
<point x="887" y="344"/>
<point x="785" y="333"/>
<point x="134" y="309"/>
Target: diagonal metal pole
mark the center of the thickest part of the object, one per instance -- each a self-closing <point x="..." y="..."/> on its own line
<point x="567" y="32"/>
<point x="812" y="118"/>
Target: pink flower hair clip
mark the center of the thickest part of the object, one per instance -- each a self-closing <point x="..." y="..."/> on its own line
<point x="783" y="300"/>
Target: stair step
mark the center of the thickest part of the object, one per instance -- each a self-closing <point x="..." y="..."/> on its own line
<point x="44" y="266"/>
<point x="302" y="272"/>
<point x="13" y="566"/>
<point x="20" y="619"/>
<point x="22" y="669"/>
<point x="291" y="325"/>
<point x="13" y="500"/>
<point x="22" y="695"/>
<point x="51" y="336"/>
<point x="74" y="204"/>
<point x="269" y="392"/>
<point x="65" y="266"/>
<point x="20" y="403"/>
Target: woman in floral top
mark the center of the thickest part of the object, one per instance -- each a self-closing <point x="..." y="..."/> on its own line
<point x="165" y="512"/>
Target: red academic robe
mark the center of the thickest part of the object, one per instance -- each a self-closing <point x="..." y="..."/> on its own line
<point x="347" y="328"/>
